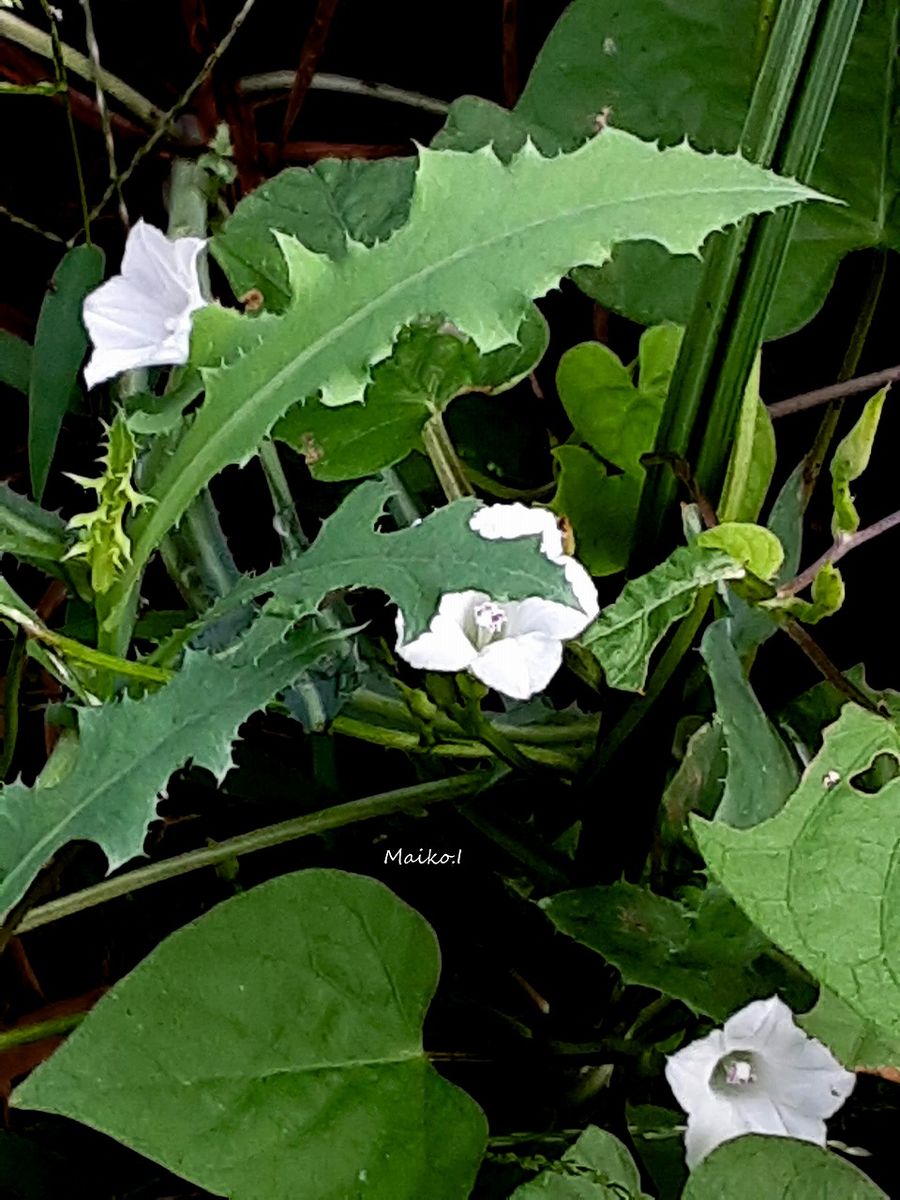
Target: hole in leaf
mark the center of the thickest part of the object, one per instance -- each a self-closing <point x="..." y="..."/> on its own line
<point x="884" y="768"/>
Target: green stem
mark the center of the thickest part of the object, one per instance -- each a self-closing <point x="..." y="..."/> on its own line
<point x="417" y="796"/>
<point x="24" y="1035"/>
<point x="287" y="523"/>
<point x="59" y="70"/>
<point x="410" y="742"/>
<point x="444" y="459"/>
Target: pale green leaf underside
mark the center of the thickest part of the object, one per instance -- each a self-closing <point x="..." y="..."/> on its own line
<point x="273" y="1050"/>
<point x="822" y="877"/>
<point x="749" y="1168"/>
<point x="624" y="636"/>
<point x="482" y="240"/>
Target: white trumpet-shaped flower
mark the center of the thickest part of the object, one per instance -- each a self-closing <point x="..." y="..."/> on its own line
<point x="760" y="1073"/>
<point x="142" y="317"/>
<point x="513" y="646"/>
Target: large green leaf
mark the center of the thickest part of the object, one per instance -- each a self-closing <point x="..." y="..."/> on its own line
<point x="273" y="1049"/>
<point x="596" y="1167"/>
<point x="59" y="345"/>
<point x="626" y="633"/>
<point x="663" y="68"/>
<point x="761" y="772"/>
<point x="821" y="878"/>
<point x="704" y="957"/>
<point x="482" y="240"/>
<point x="749" y="1168"/>
<point x="855" y="1042"/>
<point x="617" y="419"/>
<point x="428" y="368"/>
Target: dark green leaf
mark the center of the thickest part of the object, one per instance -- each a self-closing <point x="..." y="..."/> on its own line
<point x="785" y="1169"/>
<point x="15" y="362"/>
<point x="273" y="1050"/>
<point x="59" y="346"/>
<point x="704" y="958"/>
<point x="597" y="1167"/>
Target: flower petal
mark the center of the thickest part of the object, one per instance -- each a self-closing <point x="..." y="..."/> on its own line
<point x="708" y="1127"/>
<point x="445" y="645"/>
<point x="690" y="1070"/>
<point x="519" y="667"/>
<point x="505" y="521"/>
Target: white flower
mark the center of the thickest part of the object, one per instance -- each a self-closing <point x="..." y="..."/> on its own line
<point x="759" y="1074"/>
<point x="516" y="646"/>
<point x="142" y="317"/>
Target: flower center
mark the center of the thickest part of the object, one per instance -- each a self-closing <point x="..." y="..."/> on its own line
<point x="735" y="1073"/>
<point x="490" y="621"/>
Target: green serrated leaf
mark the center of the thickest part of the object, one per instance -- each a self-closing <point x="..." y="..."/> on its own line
<point x="129" y="748"/>
<point x="482" y="240"/>
<point x="663" y="69"/>
<point x="273" y="1049"/>
<point x="703" y="957"/>
<point x="761" y="772"/>
<point x="850" y="460"/>
<point x="59" y="345"/>
<point x="624" y="636"/>
<point x="596" y="1167"/>
<point x="784" y="1168"/>
<point x="414" y="566"/>
<point x="821" y="878"/>
<point x="15" y="362"/>
<point x="757" y="548"/>
<point x="28" y="531"/>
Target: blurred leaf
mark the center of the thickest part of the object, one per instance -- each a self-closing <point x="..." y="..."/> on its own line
<point x="761" y="771"/>
<point x="427" y="369"/>
<point x="853" y="1041"/>
<point x="29" y="532"/>
<point x="295" y="1066"/>
<point x="626" y="633"/>
<point x="705" y="958"/>
<point x="698" y="783"/>
<point x="596" y="1167"/>
<point x="757" y="548"/>
<point x="850" y="460"/>
<point x="618" y="421"/>
<point x="658" y="1139"/>
<point x="669" y="70"/>
<point x="15" y="362"/>
<point x="59" y="346"/>
<point x="821" y="877"/>
<point x="791" y="1170"/>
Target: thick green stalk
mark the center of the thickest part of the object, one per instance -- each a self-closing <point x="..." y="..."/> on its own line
<point x="725" y="329"/>
<point x="418" y="796"/>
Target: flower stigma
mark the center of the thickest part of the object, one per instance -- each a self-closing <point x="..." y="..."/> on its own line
<point x="490" y="621"/>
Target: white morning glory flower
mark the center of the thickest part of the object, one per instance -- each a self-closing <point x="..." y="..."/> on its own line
<point x="142" y="317"/>
<point x="758" y="1074"/>
<point x="515" y="646"/>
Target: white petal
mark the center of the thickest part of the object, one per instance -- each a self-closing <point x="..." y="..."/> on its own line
<point x="754" y="1025"/>
<point x="444" y="646"/>
<point x="142" y="317"/>
<point x="543" y="616"/>
<point x="709" y="1126"/>
<point x="690" y="1070"/>
<point x="505" y="521"/>
<point x="519" y="667"/>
